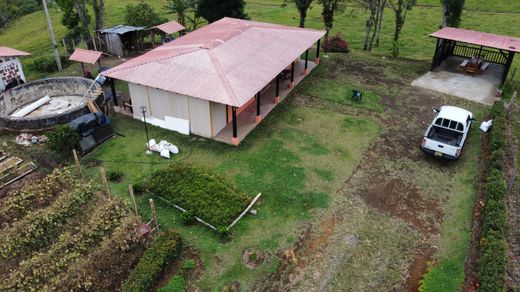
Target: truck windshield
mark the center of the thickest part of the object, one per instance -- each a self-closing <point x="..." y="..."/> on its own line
<point x="445" y="136"/>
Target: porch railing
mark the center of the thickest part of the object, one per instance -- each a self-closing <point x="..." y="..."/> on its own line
<point x="486" y="54"/>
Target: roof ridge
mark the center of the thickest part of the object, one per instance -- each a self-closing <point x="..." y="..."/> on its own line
<point x="222" y="77"/>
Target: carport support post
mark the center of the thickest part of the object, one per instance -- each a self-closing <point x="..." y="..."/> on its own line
<point x="234" y="139"/>
<point x="317" y="61"/>
<point x="83" y="68"/>
<point x="508" y="66"/>
<point x="258" y="115"/>
<point x="277" y="97"/>
<point x="435" y="56"/>
<point x="291" y="84"/>
<point x="113" y="88"/>
<point x="306" y="71"/>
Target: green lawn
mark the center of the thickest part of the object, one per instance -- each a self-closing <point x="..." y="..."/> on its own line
<point x="289" y="158"/>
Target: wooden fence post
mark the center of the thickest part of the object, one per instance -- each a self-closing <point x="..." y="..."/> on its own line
<point x="105" y="180"/>
<point x="154" y="214"/>
<point x="132" y="197"/>
<point x="78" y="164"/>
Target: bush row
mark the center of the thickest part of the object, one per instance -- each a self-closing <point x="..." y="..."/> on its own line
<point x="202" y="194"/>
<point x="163" y="251"/>
<point x="38" y="228"/>
<point x="43" y="269"/>
<point x="493" y="242"/>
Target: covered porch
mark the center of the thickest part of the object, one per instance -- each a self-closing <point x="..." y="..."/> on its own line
<point x="265" y="102"/>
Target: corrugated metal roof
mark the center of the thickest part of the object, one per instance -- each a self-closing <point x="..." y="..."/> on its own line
<point x="228" y="61"/>
<point x="170" y="27"/>
<point x="122" y="29"/>
<point x="479" y="38"/>
<point x="10" y="52"/>
<point x="85" y="56"/>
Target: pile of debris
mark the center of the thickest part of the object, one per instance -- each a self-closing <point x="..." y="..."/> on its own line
<point x="164" y="148"/>
<point x="26" y="139"/>
<point x="13" y="168"/>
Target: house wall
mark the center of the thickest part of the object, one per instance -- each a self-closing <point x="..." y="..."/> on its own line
<point x="10" y="69"/>
<point x="177" y="112"/>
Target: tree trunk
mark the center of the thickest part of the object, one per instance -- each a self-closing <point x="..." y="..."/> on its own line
<point x="303" y="15"/>
<point x="82" y="12"/>
<point x="382" y="9"/>
<point x="445" y="11"/>
<point x="370" y="22"/>
<point x="398" y="26"/>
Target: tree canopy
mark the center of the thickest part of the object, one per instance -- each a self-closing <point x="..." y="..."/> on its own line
<point x="213" y="10"/>
<point x="142" y="14"/>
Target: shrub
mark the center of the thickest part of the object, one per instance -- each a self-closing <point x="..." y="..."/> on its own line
<point x="335" y="44"/>
<point x="202" y="194"/>
<point x="47" y="64"/>
<point x="163" y="251"/>
<point x="63" y="139"/>
<point x="496" y="218"/>
<point x="496" y="186"/>
<point x="493" y="262"/>
<point x="188" y="218"/>
<point x="115" y="175"/>
<point x="496" y="159"/>
<point x="139" y="188"/>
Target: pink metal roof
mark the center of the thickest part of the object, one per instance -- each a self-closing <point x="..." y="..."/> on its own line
<point x="170" y="27"/>
<point x="85" y="56"/>
<point x="479" y="38"/>
<point x="228" y="61"/>
<point x="9" y="52"/>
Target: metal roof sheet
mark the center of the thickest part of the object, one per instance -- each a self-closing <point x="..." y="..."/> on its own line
<point x="85" y="56"/>
<point x="479" y="38"/>
<point x="228" y="61"/>
<point x="122" y="29"/>
<point x="10" y="52"/>
<point x="170" y="27"/>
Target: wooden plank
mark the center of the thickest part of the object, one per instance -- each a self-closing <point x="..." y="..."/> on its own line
<point x="78" y="163"/>
<point x="245" y="211"/>
<point x="105" y="181"/>
<point x="132" y="197"/>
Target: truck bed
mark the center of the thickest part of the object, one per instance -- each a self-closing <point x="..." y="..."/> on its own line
<point x="445" y="136"/>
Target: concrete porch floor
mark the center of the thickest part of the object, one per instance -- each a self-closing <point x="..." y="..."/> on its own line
<point x="246" y="120"/>
<point x="448" y="79"/>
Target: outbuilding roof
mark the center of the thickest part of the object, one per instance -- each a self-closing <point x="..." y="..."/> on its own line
<point x="170" y="27"/>
<point x="10" y="52"/>
<point x="85" y="56"/>
<point x="479" y="38"/>
<point x="122" y="29"/>
<point x="227" y="61"/>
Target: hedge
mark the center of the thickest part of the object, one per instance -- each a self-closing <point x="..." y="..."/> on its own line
<point x="202" y="194"/>
<point x="163" y="251"/>
<point x="493" y="242"/>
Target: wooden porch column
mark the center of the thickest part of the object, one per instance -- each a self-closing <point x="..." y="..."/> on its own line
<point x="435" y="56"/>
<point x="510" y="57"/>
<point x="317" y="61"/>
<point x="306" y="71"/>
<point x="291" y="84"/>
<point x="83" y="68"/>
<point x="234" y="139"/>
<point x="258" y="115"/>
<point x="277" y="97"/>
<point x="113" y="88"/>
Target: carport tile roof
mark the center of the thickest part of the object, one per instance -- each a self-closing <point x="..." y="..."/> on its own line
<point x="10" y="52"/>
<point x="479" y="38"/>
<point x="170" y="27"/>
<point x="85" y="56"/>
<point x="227" y="62"/>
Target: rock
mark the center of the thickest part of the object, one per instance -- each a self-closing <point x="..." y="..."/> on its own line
<point x="253" y="212"/>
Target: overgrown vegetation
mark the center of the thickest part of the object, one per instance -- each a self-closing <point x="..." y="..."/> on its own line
<point x="493" y="243"/>
<point x="163" y="251"/>
<point x="63" y="139"/>
<point x="202" y="194"/>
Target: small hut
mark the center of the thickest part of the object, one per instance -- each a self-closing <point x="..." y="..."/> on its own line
<point x="11" y="73"/>
<point x="166" y="30"/>
<point x="121" y="39"/>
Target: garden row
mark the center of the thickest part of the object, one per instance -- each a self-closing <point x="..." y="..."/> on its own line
<point x="61" y="234"/>
<point x="493" y="242"/>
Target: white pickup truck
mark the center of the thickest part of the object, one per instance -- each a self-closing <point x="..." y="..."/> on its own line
<point x="448" y="131"/>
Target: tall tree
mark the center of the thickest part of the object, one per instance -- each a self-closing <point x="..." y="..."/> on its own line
<point x="181" y="7"/>
<point x="451" y="12"/>
<point x="302" y="6"/>
<point x="330" y="7"/>
<point x="99" y="12"/>
<point x="213" y="10"/>
<point x="142" y="14"/>
<point x="75" y="17"/>
<point x="401" y="8"/>
<point x="84" y="19"/>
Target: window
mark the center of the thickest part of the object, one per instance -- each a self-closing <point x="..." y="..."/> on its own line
<point x="438" y="122"/>
<point x="446" y="123"/>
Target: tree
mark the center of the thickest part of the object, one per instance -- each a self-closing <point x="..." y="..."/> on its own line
<point x="99" y="12"/>
<point x="452" y="11"/>
<point x="374" y="22"/>
<point x="76" y="19"/>
<point x="329" y="8"/>
<point x="401" y="8"/>
<point x="213" y="10"/>
<point x="302" y="6"/>
<point x="142" y="14"/>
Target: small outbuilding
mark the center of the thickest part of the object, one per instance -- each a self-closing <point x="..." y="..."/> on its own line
<point x="11" y="72"/>
<point x="120" y="40"/>
<point x="219" y="81"/>
<point x="86" y="56"/>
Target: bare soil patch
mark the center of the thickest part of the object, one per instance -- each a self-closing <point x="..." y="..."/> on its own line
<point x="253" y="257"/>
<point x="418" y="269"/>
<point x="191" y="275"/>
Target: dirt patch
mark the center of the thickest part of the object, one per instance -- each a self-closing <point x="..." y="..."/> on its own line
<point x="190" y="275"/>
<point x="26" y="180"/>
<point x="253" y="257"/>
<point x="418" y="269"/>
<point x="404" y="201"/>
<point x="231" y="287"/>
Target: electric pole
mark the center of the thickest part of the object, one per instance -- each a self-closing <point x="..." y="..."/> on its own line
<point x="54" y="46"/>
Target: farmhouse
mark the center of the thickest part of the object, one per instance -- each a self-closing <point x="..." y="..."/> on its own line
<point x="219" y="81"/>
<point x="10" y="67"/>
